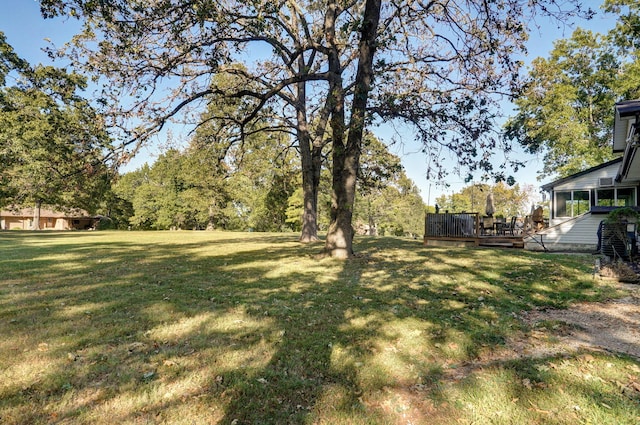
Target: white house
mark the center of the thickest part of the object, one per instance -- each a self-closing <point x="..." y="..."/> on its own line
<point x="581" y="201"/>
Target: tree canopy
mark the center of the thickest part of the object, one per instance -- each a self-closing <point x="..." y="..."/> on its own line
<point x="257" y="187"/>
<point x="508" y="200"/>
<point x="438" y="66"/>
<point x="246" y="188"/>
<point x="52" y="142"/>
<point x="565" y="110"/>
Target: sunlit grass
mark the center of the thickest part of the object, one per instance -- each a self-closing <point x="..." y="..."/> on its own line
<point x="212" y="327"/>
<point x="579" y="389"/>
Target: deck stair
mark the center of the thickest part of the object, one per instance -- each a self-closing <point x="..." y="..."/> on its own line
<point x="501" y="242"/>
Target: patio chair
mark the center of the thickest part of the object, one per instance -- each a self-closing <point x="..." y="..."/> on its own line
<point x="499" y="226"/>
<point x="511" y="226"/>
<point x="538" y="219"/>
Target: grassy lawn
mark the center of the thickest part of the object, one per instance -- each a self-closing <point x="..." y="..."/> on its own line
<point x="209" y="327"/>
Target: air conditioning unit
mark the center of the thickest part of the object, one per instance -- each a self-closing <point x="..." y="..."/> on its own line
<point x="605" y="182"/>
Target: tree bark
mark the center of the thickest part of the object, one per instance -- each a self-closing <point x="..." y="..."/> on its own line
<point x="339" y="235"/>
<point x="346" y="156"/>
<point x="36" y="216"/>
<point x="339" y="241"/>
<point x="372" y="222"/>
<point x="309" y="189"/>
<point x="310" y="144"/>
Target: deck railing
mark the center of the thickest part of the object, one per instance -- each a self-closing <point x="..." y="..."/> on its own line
<point x="452" y="225"/>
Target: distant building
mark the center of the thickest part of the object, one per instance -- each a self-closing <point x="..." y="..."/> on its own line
<point x="22" y="219"/>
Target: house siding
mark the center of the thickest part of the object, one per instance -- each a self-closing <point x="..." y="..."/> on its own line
<point x="49" y="220"/>
<point x="589" y="181"/>
<point x="14" y="223"/>
<point x="54" y="223"/>
<point x="580" y="233"/>
<point x="577" y="234"/>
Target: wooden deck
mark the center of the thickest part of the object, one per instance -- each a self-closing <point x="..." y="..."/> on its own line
<point x="467" y="229"/>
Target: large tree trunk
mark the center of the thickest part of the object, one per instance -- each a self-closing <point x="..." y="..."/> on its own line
<point x="36" y="216"/>
<point x="373" y="231"/>
<point x="309" y="181"/>
<point x="310" y="192"/>
<point x="210" y="222"/>
<point x="340" y="235"/>
<point x="311" y="156"/>
<point x="346" y="157"/>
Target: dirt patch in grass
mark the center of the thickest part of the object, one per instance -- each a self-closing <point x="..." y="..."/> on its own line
<point x="612" y="326"/>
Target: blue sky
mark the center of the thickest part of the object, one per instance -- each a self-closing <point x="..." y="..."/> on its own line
<point x="28" y="33"/>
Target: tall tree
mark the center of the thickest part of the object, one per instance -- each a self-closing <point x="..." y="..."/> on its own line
<point x="378" y="170"/>
<point x="626" y="38"/>
<point x="180" y="190"/>
<point x="204" y="36"/>
<point x="52" y="142"/>
<point x="387" y="201"/>
<point x="262" y="178"/>
<point x="258" y="166"/>
<point x="441" y="64"/>
<point x="394" y="208"/>
<point x="565" y="110"/>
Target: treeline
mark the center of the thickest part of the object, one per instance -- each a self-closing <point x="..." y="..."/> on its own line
<point x="508" y="201"/>
<point x="256" y="186"/>
<point x="55" y="150"/>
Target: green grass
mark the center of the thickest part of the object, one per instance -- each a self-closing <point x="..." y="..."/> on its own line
<point x="210" y="327"/>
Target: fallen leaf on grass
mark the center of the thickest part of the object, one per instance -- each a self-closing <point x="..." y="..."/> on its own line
<point x="632" y="389"/>
<point x="634" y="368"/>
<point x="587" y="358"/>
<point x="137" y="347"/>
<point x="539" y="410"/>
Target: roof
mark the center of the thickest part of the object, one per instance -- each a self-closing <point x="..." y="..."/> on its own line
<point x="44" y="213"/>
<point x="628" y="108"/>
<point x="549" y="186"/>
<point x="625" y="117"/>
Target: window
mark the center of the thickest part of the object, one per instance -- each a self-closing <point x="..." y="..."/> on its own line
<point x="616" y="197"/>
<point x="626" y="197"/>
<point x="572" y="203"/>
<point x="606" y="198"/>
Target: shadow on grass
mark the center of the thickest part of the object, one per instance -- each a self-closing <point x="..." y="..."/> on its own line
<point x="251" y="329"/>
